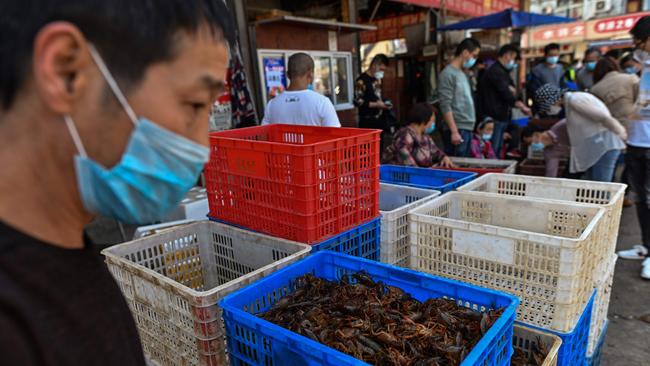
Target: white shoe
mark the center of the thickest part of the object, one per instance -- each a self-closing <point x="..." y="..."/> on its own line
<point x="637" y="252"/>
<point x="645" y="269"/>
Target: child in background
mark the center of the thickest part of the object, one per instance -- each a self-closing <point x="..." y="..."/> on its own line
<point x="481" y="147"/>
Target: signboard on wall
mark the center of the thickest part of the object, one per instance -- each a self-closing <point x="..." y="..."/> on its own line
<point x="274" y="75"/>
<point x="579" y="9"/>
<point x="612" y="27"/>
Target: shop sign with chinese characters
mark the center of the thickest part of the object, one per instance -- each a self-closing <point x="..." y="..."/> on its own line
<point x="612" y="27"/>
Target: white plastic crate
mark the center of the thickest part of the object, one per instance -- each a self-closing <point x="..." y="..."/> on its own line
<point x="394" y="204"/>
<point x="482" y="166"/>
<point x="173" y="280"/>
<point x="538" y="250"/>
<point x="526" y="339"/>
<point x="193" y="207"/>
<point x="601" y="305"/>
<point x="607" y="195"/>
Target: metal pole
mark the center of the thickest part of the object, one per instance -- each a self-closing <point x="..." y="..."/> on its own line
<point x="374" y="11"/>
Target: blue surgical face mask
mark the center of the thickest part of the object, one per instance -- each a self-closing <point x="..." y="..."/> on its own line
<point x="469" y="63"/>
<point x="310" y="86"/>
<point x="429" y="130"/>
<point x="379" y="75"/>
<point x="631" y="70"/>
<point x="487" y="136"/>
<point x="537" y="146"/>
<point x="591" y="65"/>
<point x="510" y="65"/>
<point x="553" y="59"/>
<point x="157" y="168"/>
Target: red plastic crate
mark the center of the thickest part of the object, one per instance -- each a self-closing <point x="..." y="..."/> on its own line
<point x="300" y="183"/>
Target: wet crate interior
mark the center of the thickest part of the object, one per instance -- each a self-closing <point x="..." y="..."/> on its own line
<point x="254" y="341"/>
<point x="394" y="204"/>
<point x="173" y="280"/>
<point x="537" y="250"/>
<point x="296" y="182"/>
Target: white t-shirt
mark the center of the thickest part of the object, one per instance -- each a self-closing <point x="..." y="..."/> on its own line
<point x="304" y="107"/>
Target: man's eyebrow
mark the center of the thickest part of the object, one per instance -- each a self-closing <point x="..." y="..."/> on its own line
<point x="212" y="83"/>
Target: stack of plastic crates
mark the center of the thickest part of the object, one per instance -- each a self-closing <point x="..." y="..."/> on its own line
<point x="599" y="318"/>
<point x="173" y="280"/>
<point x="426" y="178"/>
<point x="538" y="250"/>
<point x="394" y="204"/>
<point x="254" y="341"/>
<point x="606" y="195"/>
<point x="483" y="166"/>
<point x="314" y="185"/>
<point x="300" y="183"/>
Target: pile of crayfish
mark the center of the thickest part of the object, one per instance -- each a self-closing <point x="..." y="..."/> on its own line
<point x="380" y="324"/>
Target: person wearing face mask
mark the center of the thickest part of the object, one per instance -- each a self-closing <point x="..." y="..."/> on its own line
<point x="637" y="158"/>
<point x="630" y="65"/>
<point x="549" y="71"/>
<point x="412" y="144"/>
<point x="481" y="147"/>
<point x="456" y="99"/>
<point x="618" y="90"/>
<point x="299" y="104"/>
<point x="596" y="138"/>
<point x="94" y="126"/>
<point x="554" y="143"/>
<point x="497" y="94"/>
<point x="584" y="78"/>
<point x="368" y="96"/>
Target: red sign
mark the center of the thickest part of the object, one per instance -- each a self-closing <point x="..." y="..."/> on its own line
<point x="470" y="8"/>
<point x="564" y="32"/>
<point x="605" y="28"/>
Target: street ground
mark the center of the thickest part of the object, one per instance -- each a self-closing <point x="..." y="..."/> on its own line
<point x="627" y="342"/>
<point x="628" y="339"/>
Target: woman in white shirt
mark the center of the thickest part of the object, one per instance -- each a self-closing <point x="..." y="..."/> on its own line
<point x="596" y="137"/>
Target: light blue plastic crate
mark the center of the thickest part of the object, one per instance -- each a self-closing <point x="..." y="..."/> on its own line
<point x="596" y="358"/>
<point x="573" y="351"/>
<point x="254" y="341"/>
<point x="362" y="241"/>
<point x="438" y="179"/>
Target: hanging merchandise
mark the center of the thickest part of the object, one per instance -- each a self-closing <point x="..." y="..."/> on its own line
<point x="221" y="114"/>
<point x="242" y="107"/>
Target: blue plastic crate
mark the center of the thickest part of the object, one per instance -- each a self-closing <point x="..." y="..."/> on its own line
<point x="573" y="351"/>
<point x="254" y="341"/>
<point x="362" y="241"/>
<point x="596" y="358"/>
<point x="438" y="179"/>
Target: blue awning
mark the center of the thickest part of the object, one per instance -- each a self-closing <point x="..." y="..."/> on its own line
<point x="506" y="19"/>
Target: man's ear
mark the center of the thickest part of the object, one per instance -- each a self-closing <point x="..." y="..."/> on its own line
<point x="60" y="65"/>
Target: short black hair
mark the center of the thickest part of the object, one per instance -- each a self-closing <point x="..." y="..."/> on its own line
<point x="130" y="35"/>
<point x="299" y="65"/>
<point x="613" y="54"/>
<point x="550" y="47"/>
<point x="591" y="50"/>
<point x="641" y="30"/>
<point x="420" y="114"/>
<point x="469" y="44"/>
<point x="528" y="131"/>
<point x="627" y="57"/>
<point x="509" y="48"/>
<point x="380" y="59"/>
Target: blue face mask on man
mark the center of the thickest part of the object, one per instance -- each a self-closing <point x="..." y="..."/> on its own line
<point x="537" y="146"/>
<point x="429" y="130"/>
<point x="553" y="59"/>
<point x="469" y="63"/>
<point x="591" y="65"/>
<point x="631" y="70"/>
<point x="157" y="168"/>
<point x="510" y="65"/>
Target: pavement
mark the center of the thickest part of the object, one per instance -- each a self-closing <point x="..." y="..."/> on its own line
<point x="627" y="342"/>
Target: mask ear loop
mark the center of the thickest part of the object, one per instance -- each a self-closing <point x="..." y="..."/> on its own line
<point x="75" y="136"/>
<point x="112" y="83"/>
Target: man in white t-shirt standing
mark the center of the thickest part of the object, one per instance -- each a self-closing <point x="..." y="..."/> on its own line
<point x="299" y="105"/>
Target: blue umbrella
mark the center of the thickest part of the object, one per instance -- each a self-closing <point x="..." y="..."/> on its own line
<point x="506" y="19"/>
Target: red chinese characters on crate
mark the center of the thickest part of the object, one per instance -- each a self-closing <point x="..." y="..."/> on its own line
<point x="300" y="183"/>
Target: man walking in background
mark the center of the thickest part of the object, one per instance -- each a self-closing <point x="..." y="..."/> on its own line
<point x="456" y="100"/>
<point x="585" y="76"/>
<point x="368" y="97"/>
<point x="549" y="71"/>
<point x="299" y="105"/>
<point x="497" y="94"/>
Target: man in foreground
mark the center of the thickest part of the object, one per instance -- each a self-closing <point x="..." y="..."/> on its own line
<point x="103" y="110"/>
